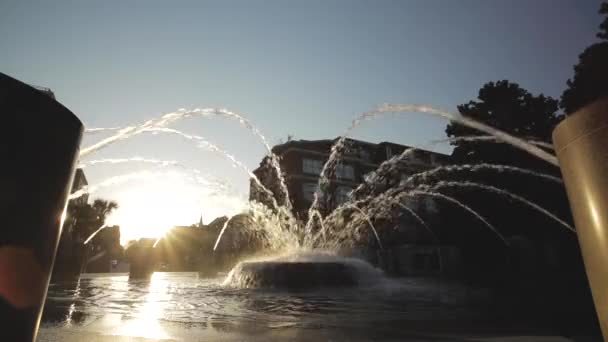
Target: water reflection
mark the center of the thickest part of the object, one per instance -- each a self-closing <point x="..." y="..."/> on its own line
<point x="170" y="305"/>
<point x="66" y="295"/>
<point x="70" y="316"/>
<point x="145" y="321"/>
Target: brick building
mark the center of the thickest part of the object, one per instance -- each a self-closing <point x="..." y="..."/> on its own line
<point x="302" y="161"/>
<point x="410" y="249"/>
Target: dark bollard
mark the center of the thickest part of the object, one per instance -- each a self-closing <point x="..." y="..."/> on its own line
<point x="141" y="267"/>
<point x="142" y="258"/>
<point x="39" y="147"/>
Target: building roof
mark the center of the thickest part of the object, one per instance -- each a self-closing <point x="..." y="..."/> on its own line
<point x="280" y="148"/>
<point x="80" y="176"/>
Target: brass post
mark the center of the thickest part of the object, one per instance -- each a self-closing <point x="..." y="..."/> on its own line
<point x="581" y="145"/>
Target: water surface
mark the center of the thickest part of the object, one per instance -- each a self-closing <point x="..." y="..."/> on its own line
<point x="186" y="307"/>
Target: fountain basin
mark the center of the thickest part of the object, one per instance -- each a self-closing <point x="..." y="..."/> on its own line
<point x="301" y="273"/>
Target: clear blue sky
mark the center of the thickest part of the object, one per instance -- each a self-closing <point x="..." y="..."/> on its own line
<point x="293" y="67"/>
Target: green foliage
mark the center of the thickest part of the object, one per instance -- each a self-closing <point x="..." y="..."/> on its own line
<point x="590" y="80"/>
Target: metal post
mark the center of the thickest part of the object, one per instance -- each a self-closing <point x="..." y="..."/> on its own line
<point x="38" y="150"/>
<point x="581" y="145"/>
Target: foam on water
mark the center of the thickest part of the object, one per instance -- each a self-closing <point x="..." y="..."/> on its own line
<point x="303" y="270"/>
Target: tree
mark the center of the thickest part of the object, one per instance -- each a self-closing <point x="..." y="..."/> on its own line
<point x="510" y="108"/>
<point x="590" y="80"/>
<point x="102" y="208"/>
<point x="603" y="34"/>
<point x="514" y="110"/>
<point x="82" y="220"/>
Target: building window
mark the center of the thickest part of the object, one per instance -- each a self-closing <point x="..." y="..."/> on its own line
<point x="342" y="194"/>
<point x="312" y="166"/>
<point x="308" y="191"/>
<point x="363" y="154"/>
<point x="345" y="172"/>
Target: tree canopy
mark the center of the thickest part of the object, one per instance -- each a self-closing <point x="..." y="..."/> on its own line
<point x="510" y="108"/>
<point x="590" y="80"/>
<point x="84" y="219"/>
<point x="603" y="34"/>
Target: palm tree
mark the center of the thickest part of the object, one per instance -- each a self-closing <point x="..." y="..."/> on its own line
<point x="82" y="220"/>
<point x="102" y="208"/>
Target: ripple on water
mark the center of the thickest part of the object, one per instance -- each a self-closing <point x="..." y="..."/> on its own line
<point x="186" y="298"/>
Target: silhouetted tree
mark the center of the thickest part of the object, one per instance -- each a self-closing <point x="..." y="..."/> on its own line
<point x="510" y="108"/>
<point x="590" y="80"/>
<point x="514" y="110"/>
<point x="82" y="220"/>
<point x="603" y="34"/>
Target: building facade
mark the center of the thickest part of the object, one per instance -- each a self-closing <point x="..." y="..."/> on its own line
<point x="302" y="161"/>
<point x="409" y="248"/>
<point x="80" y="181"/>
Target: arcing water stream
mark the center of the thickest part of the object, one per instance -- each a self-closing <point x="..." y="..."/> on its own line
<point x="370" y="199"/>
<point x="306" y="251"/>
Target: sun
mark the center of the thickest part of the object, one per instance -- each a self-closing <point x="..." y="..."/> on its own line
<point x="151" y="207"/>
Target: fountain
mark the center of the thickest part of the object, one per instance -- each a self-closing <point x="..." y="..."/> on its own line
<point x="302" y="271"/>
<point x="313" y="253"/>
<point x="307" y="254"/>
<point x="333" y="234"/>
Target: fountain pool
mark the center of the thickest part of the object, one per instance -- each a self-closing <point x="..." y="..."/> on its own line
<point x="186" y="307"/>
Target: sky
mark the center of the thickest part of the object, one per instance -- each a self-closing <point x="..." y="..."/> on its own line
<point x="300" y="68"/>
